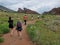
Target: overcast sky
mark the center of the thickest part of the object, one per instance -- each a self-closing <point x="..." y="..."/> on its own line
<point x="36" y="5"/>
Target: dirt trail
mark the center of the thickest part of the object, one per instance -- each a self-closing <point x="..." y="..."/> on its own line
<point x="14" y="40"/>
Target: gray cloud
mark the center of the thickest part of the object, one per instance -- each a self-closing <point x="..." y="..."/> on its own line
<point x="37" y="5"/>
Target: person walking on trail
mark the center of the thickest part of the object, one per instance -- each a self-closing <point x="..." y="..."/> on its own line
<point x="25" y="19"/>
<point x="32" y="18"/>
<point x="38" y="16"/>
<point x="10" y="21"/>
<point x="19" y="28"/>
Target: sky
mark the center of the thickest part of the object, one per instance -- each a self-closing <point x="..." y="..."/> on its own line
<point x="36" y="5"/>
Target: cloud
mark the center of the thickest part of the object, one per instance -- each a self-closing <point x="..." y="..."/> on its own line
<point x="37" y="5"/>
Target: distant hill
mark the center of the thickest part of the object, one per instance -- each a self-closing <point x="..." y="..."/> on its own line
<point x="27" y="11"/>
<point x="55" y="11"/>
<point x="2" y="8"/>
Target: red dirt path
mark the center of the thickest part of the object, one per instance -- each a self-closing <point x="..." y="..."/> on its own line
<point x="14" y="40"/>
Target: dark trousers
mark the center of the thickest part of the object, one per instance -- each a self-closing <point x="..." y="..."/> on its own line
<point x="25" y="22"/>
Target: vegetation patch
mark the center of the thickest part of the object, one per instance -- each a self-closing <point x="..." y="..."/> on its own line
<point x="45" y="31"/>
<point x="1" y="39"/>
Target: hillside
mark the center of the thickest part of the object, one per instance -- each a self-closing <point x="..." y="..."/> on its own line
<point x="55" y="11"/>
<point x="2" y="8"/>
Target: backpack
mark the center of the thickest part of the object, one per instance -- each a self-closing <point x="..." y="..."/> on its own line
<point x="19" y="24"/>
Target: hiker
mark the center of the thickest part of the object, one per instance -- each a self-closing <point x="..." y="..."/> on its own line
<point x="32" y="18"/>
<point x="25" y="19"/>
<point x="38" y="16"/>
<point x="19" y="28"/>
<point x="10" y="21"/>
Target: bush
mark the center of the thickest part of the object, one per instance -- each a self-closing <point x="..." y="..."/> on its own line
<point x="42" y="16"/>
<point x="1" y="33"/>
<point x="5" y="31"/>
<point x="31" y="31"/>
<point x="4" y="28"/>
<point x="1" y="39"/>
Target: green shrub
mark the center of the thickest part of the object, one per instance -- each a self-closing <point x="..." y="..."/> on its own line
<point x="31" y="31"/>
<point x="43" y="16"/>
<point x="1" y="39"/>
<point x="1" y="33"/>
<point x="4" y="28"/>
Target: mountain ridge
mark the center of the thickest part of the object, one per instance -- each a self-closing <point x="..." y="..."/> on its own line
<point x="5" y="9"/>
<point x="55" y="11"/>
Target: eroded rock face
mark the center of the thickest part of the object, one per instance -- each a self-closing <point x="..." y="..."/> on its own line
<point x="20" y="10"/>
<point x="55" y="11"/>
<point x="27" y="11"/>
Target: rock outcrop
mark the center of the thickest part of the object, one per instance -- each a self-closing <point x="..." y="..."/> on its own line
<point x="27" y="11"/>
<point x="20" y="10"/>
<point x="55" y="11"/>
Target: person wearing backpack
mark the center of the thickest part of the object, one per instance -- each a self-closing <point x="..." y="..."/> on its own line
<point x="19" y="28"/>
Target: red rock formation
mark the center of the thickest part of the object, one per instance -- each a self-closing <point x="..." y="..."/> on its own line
<point x="20" y="10"/>
<point x="55" y="11"/>
<point x="27" y="11"/>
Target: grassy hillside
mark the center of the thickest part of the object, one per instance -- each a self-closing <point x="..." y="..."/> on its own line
<point x="45" y="31"/>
